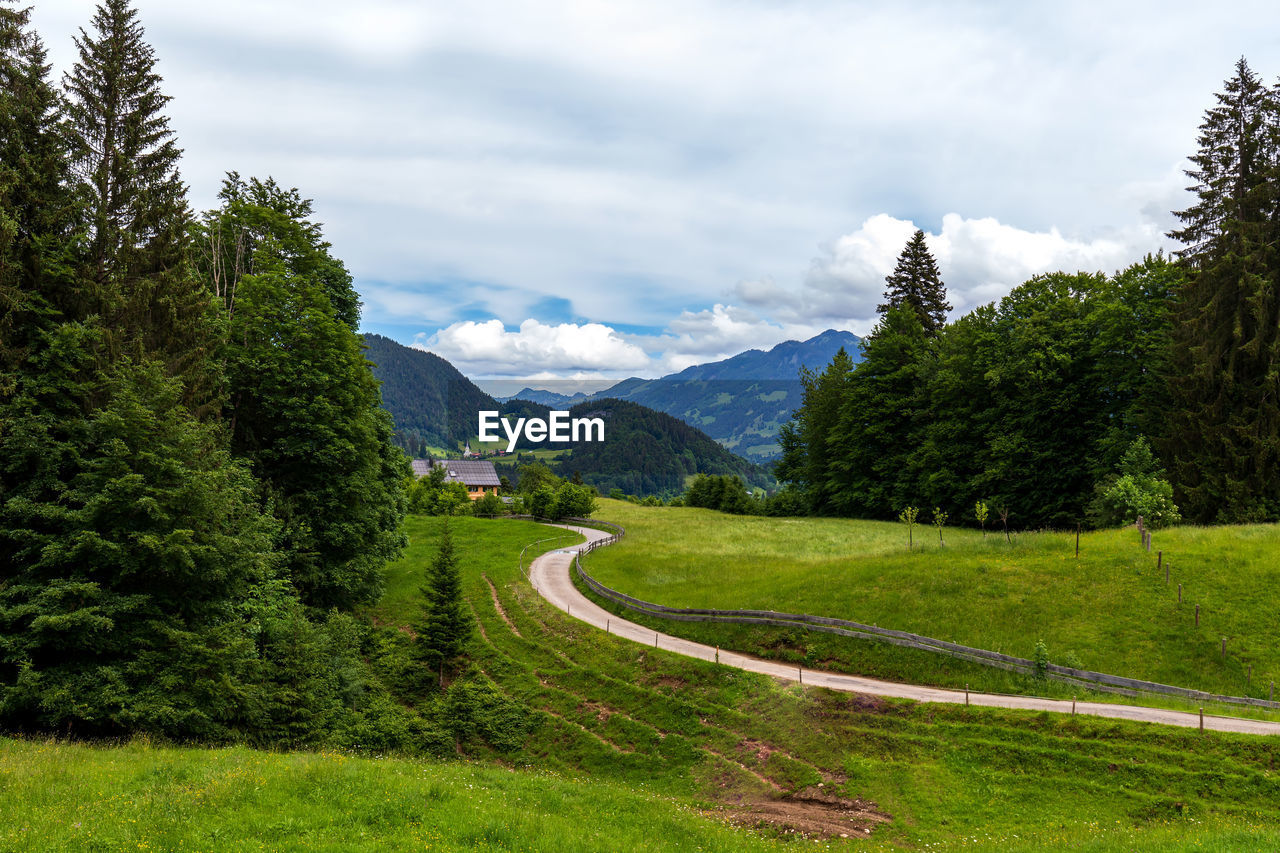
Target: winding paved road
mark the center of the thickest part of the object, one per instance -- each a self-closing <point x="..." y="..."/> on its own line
<point x="550" y="576"/>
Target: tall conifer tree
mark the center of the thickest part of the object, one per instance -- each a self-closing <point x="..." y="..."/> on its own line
<point x="866" y="477"/>
<point x="806" y="461"/>
<point x="130" y="542"/>
<point x="1225" y="445"/>
<point x="916" y="282"/>
<point x="135" y="271"/>
<point x="445" y="626"/>
<point x="35" y="212"/>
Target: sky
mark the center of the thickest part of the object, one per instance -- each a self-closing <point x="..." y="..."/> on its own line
<point x="586" y="190"/>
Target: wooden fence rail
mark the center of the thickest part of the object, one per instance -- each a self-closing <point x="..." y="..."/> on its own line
<point x="1083" y="678"/>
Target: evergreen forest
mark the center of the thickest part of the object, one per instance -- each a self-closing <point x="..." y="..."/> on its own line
<point x="1079" y="398"/>
<point x="199" y="490"/>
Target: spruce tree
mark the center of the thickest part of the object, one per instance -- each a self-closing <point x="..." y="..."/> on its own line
<point x="873" y="435"/>
<point x="916" y="282"/>
<point x="445" y="626"/>
<point x="1224" y="446"/>
<point x="134" y="272"/>
<point x="35" y="210"/>
<point x="806" y="461"/>
<point x="132" y="546"/>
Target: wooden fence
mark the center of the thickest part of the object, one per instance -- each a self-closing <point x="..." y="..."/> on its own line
<point x="1079" y="677"/>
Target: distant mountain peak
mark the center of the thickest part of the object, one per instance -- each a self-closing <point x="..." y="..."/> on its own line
<point x="741" y="401"/>
<point x="783" y="361"/>
<point x="545" y="397"/>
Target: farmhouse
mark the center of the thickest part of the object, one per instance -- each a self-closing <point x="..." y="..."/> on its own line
<point x="479" y="477"/>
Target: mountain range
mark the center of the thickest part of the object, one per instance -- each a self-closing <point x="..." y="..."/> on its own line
<point x="741" y="401"/>
<point x="435" y="409"/>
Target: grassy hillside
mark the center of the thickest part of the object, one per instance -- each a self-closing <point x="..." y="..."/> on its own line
<point x="1109" y="610"/>
<point x="739" y="744"/>
<point x="143" y="797"/>
<point x="639" y="749"/>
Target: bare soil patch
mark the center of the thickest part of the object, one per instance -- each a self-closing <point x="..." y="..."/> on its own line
<point x="812" y="812"/>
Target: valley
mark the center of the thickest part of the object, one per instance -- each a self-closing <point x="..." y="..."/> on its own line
<point x="679" y="754"/>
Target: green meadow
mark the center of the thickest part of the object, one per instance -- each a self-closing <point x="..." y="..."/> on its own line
<point x="1109" y="610"/>
<point x="637" y="749"/>
<point x="145" y="797"/>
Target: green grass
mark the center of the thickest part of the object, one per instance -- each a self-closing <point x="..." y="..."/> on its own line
<point x="480" y="545"/>
<point x="524" y="447"/>
<point x="949" y="776"/>
<point x="1110" y="610"/>
<point x="637" y="748"/>
<point x="142" y="797"/>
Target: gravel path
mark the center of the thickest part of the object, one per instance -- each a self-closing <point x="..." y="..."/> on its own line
<point x="550" y="576"/>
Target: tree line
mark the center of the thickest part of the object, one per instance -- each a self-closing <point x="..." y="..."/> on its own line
<point x="1078" y="398"/>
<point x="198" y="485"/>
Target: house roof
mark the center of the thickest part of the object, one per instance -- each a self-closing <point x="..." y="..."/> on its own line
<point x="469" y="472"/>
<point x="421" y="467"/>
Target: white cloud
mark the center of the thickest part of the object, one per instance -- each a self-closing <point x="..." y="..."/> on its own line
<point x="535" y="349"/>
<point x="538" y="353"/>
<point x="696" y="337"/>
<point x="980" y="260"/>
<point x="633" y="159"/>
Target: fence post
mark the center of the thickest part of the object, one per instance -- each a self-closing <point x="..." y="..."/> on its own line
<point x="1179" y="593"/>
<point x="1224" y="648"/>
<point x="1073" y="706"/>
<point x="1197" y="615"/>
<point x="966" y="696"/>
<point x="1202" y="721"/>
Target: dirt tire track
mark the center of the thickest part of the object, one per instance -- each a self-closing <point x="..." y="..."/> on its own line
<point x="497" y="605"/>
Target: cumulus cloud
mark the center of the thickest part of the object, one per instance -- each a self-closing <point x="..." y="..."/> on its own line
<point x="572" y="356"/>
<point x="535" y="349"/>
<point x="716" y="333"/>
<point x="981" y="260"/>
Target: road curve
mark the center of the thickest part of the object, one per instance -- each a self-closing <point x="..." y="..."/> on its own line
<point x="550" y="575"/>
